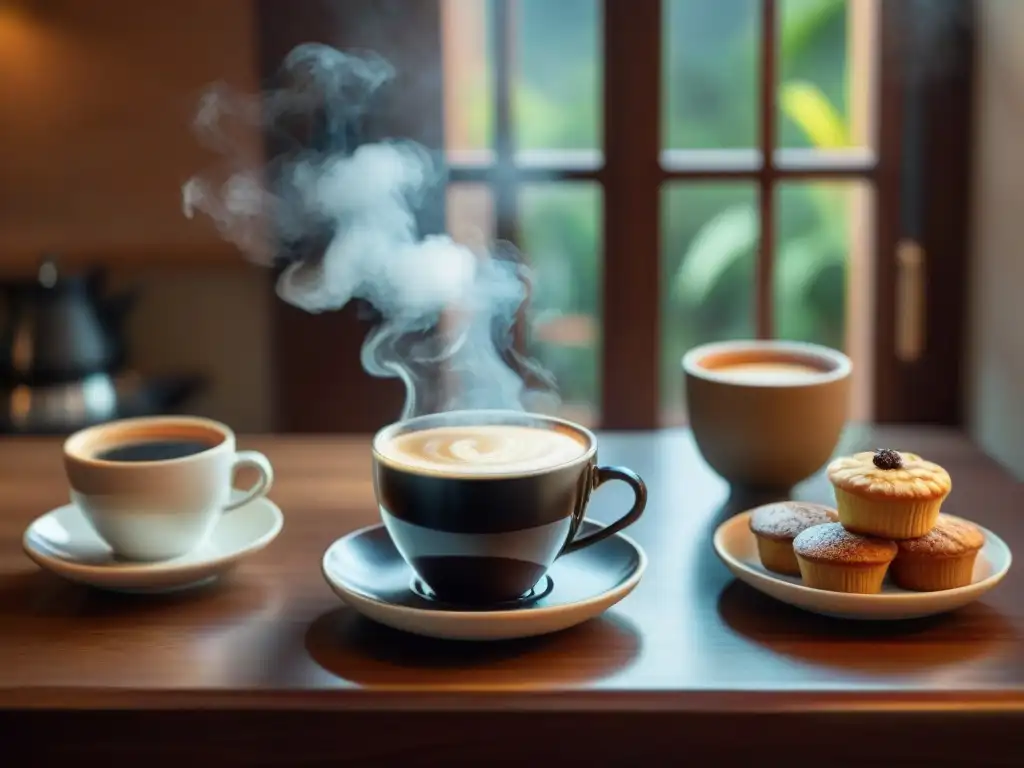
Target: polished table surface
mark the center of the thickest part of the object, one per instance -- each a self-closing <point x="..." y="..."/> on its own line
<point x="270" y="657"/>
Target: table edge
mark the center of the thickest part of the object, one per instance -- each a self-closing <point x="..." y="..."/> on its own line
<point x="401" y="699"/>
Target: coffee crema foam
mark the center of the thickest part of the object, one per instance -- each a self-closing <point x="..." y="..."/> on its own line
<point x="768" y="372"/>
<point x="482" y="450"/>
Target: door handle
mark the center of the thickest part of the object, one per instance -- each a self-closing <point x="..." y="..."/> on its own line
<point x="911" y="305"/>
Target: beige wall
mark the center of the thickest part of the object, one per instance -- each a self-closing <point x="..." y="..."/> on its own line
<point x="95" y="143"/>
<point x="996" y="330"/>
<point x="215" y="322"/>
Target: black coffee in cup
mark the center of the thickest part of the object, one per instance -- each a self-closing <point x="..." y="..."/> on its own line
<point x="153" y="450"/>
<point x="480" y="503"/>
<point x="154" y="488"/>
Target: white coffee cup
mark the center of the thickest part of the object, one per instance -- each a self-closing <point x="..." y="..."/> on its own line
<point x="158" y="509"/>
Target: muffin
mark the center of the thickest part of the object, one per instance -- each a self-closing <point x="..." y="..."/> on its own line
<point x="888" y="494"/>
<point x="941" y="559"/>
<point x="776" y="525"/>
<point x="835" y="559"/>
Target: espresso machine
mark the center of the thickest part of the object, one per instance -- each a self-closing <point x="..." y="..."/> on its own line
<point x="63" y="357"/>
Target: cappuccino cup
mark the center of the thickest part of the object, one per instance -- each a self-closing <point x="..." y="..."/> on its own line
<point x="766" y="414"/>
<point x="481" y="503"/>
<point x="153" y="488"/>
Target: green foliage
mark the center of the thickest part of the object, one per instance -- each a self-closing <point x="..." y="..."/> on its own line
<point x="811" y="252"/>
<point x="726" y="239"/>
<point x="710" y="228"/>
<point x="810" y="109"/>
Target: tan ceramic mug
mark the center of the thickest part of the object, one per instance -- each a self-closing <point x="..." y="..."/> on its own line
<point x="766" y="414"/>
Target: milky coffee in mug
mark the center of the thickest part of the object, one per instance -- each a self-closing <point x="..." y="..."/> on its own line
<point x="481" y="503"/>
<point x="153" y="488"/>
<point x="766" y="414"/>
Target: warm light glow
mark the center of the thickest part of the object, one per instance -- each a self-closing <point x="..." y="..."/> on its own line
<point x="21" y="404"/>
<point x="25" y="52"/>
<point x="19" y="35"/>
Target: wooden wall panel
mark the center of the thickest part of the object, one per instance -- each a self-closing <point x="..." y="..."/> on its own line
<point x="319" y="383"/>
<point x="96" y="100"/>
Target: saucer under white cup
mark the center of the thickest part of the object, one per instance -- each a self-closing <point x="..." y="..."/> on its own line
<point x="62" y="541"/>
<point x="367" y="572"/>
<point x="155" y="510"/>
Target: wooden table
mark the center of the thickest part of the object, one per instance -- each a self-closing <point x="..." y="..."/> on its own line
<point x="268" y="668"/>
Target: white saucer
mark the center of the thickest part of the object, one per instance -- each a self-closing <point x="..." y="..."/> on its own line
<point x="63" y="541"/>
<point x="737" y="547"/>
<point x="366" y="571"/>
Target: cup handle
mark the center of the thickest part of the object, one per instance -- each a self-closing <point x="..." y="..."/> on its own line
<point x="261" y="464"/>
<point x="601" y="476"/>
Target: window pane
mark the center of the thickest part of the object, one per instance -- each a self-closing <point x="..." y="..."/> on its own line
<point x="710" y="237"/>
<point x="822" y="291"/>
<point x="827" y="55"/>
<point x="470" y="215"/>
<point x="468" y="77"/>
<point x="561" y="235"/>
<point x="710" y="73"/>
<point x="557" y="66"/>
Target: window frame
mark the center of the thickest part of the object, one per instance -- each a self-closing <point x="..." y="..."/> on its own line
<point x="634" y="168"/>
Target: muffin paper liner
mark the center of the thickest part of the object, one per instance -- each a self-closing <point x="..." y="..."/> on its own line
<point x="861" y="579"/>
<point x="933" y="574"/>
<point x="887" y="518"/>
<point x="777" y="556"/>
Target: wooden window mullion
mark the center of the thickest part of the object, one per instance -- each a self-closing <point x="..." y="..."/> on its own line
<point x="504" y="176"/>
<point x="504" y="181"/>
<point x="764" y="291"/>
<point x="632" y="222"/>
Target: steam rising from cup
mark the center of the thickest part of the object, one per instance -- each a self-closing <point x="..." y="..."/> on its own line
<point x="342" y="219"/>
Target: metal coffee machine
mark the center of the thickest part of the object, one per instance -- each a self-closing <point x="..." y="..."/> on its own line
<point x="63" y="355"/>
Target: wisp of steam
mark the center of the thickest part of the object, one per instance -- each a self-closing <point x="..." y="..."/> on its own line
<point x="342" y="219"/>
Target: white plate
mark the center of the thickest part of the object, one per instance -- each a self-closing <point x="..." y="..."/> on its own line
<point x="737" y="547"/>
<point x="62" y="541"/>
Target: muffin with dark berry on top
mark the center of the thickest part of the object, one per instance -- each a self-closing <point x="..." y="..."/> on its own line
<point x="889" y="494"/>
<point x="776" y="525"/>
